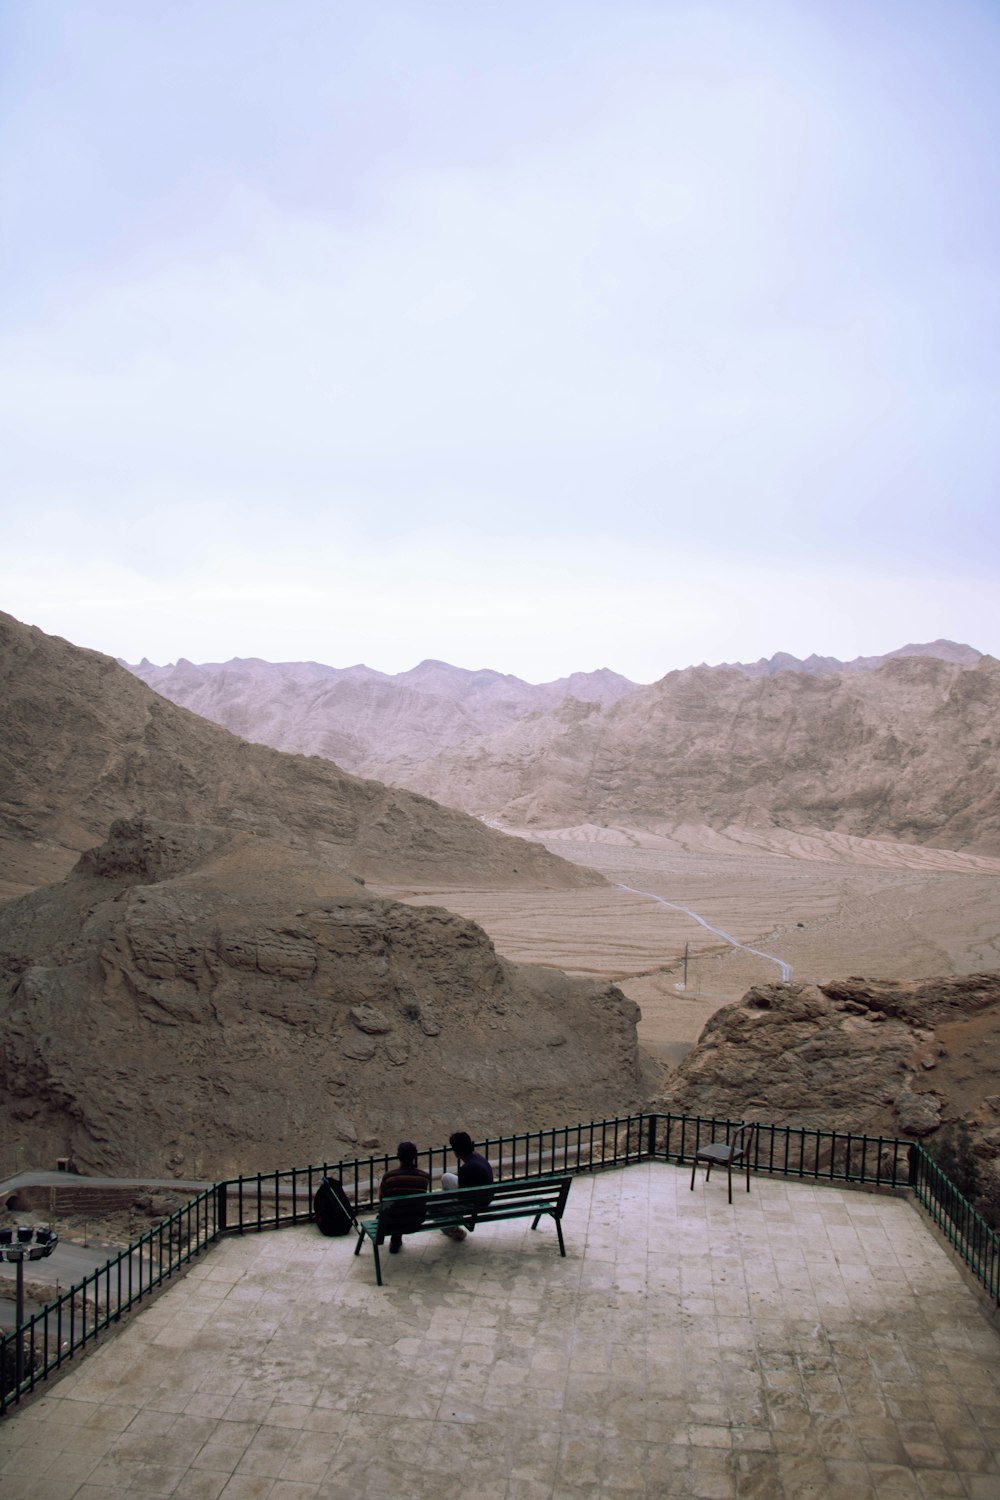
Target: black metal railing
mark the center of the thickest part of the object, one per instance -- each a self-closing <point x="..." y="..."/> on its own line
<point x="272" y="1200"/>
<point x="75" y="1318"/>
<point x="792" y="1150"/>
<point x="963" y="1226"/>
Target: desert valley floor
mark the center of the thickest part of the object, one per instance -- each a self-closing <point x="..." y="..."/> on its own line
<point x="828" y="905"/>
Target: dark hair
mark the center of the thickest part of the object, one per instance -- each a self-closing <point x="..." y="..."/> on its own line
<point x="461" y="1143"/>
<point x="406" y="1151"/>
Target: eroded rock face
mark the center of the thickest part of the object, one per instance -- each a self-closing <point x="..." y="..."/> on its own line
<point x="195" y="1001"/>
<point x="903" y="1060"/>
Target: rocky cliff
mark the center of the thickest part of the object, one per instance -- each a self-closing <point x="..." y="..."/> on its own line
<point x="911" y="1060"/>
<point x="198" y="1001"/>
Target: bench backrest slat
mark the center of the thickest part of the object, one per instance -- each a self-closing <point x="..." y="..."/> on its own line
<point x="540" y="1192"/>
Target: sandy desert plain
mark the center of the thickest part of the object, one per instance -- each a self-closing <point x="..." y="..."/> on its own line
<point x="828" y="905"/>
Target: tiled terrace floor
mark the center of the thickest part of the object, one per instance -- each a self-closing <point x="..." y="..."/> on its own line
<point x="805" y="1342"/>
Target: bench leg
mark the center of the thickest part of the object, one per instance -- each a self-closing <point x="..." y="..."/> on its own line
<point x="361" y="1240"/>
<point x="558" y="1224"/>
<point x="378" y="1263"/>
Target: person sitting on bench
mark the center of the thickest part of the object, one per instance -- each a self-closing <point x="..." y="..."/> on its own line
<point x="406" y="1178"/>
<point x="473" y="1169"/>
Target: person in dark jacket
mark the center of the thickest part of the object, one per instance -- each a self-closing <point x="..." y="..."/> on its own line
<point x="473" y="1170"/>
<point x="406" y="1178"/>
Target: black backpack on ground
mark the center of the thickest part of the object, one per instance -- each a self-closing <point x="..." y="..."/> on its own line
<point x="332" y="1208"/>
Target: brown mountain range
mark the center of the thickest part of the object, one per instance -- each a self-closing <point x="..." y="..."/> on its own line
<point x="361" y="718"/>
<point x="899" y="747"/>
<point x="907" y="752"/>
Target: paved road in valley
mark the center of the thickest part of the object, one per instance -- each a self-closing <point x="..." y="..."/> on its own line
<point x="786" y="969"/>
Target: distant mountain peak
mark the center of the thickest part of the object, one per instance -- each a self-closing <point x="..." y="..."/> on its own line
<point x="828" y="666"/>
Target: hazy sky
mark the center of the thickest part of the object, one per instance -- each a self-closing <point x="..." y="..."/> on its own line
<point x="539" y="336"/>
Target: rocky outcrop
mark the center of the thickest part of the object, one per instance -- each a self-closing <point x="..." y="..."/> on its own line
<point x="195" y="1002"/>
<point x="901" y="1060"/>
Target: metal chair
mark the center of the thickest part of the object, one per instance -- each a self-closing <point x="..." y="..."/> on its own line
<point x="729" y="1153"/>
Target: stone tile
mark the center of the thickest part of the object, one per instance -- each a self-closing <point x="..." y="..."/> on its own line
<point x="115" y="1473"/>
<point x="219" y="1457"/>
<point x="158" y="1480"/>
<point x="26" y="1463"/>
<point x="846" y="1479"/>
<point x="110" y="1419"/>
<point x="247" y="1487"/>
<point x="982" y="1487"/>
<point x="894" y="1482"/>
<point x="306" y="1468"/>
<point x="46" y="1489"/>
<point x="941" y="1484"/>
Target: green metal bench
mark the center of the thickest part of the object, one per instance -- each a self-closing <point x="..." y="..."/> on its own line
<point x="464" y="1208"/>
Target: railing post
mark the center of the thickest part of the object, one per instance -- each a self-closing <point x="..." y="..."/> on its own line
<point x="651" y="1137"/>
<point x="19" y="1329"/>
<point x="912" y="1160"/>
<point x="221" y="1203"/>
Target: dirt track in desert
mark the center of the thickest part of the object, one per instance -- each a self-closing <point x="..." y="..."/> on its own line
<point x="829" y="905"/>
